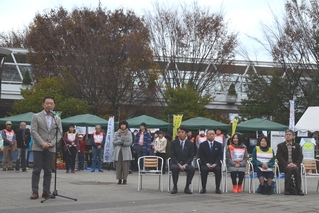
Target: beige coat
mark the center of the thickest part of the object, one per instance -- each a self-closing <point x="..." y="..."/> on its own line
<point x="122" y="143"/>
<point x="160" y="144"/>
<point x="41" y="134"/>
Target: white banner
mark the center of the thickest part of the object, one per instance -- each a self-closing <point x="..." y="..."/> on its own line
<point x="308" y="147"/>
<point x="108" y="144"/>
<point x="80" y="130"/>
<point x="292" y="115"/>
<point x="276" y="137"/>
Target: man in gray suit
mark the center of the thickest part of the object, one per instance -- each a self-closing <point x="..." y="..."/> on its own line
<point x="43" y="129"/>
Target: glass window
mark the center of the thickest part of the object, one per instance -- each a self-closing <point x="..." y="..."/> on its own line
<point x="20" y="58"/>
<point x="24" y="68"/>
<point x="10" y="73"/>
<point x="8" y="59"/>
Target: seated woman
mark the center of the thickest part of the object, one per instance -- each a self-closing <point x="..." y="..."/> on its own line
<point x="263" y="160"/>
<point x="236" y="158"/>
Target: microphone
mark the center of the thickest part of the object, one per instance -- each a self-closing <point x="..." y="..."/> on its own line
<point x="52" y="112"/>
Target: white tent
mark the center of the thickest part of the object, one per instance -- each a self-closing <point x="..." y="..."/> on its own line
<point x="309" y="120"/>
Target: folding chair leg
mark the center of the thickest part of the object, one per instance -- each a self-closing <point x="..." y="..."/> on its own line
<point x="169" y="182"/>
<point x="138" y="183"/>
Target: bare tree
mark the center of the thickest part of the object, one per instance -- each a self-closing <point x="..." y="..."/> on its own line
<point x="14" y="39"/>
<point x="192" y="43"/>
<point x="102" y="55"/>
<point x="292" y="40"/>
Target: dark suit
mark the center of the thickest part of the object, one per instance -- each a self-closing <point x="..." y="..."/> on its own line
<point x="208" y="156"/>
<point x="179" y="156"/>
<point x="296" y="156"/>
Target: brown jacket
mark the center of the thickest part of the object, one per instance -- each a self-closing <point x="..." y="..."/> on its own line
<point x="282" y="155"/>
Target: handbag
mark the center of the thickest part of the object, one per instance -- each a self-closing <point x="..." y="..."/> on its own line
<point x="292" y="187"/>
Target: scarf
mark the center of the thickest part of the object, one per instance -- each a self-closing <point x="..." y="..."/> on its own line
<point x="122" y="132"/>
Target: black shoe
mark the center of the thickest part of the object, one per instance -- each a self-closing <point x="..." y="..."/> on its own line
<point x="202" y="191"/>
<point x="100" y="170"/>
<point x="124" y="181"/>
<point x="286" y="192"/>
<point x="301" y="193"/>
<point x="174" y="191"/>
<point x="93" y="170"/>
<point x="268" y="190"/>
<point x="119" y="182"/>
<point x="187" y="191"/>
<point x="217" y="191"/>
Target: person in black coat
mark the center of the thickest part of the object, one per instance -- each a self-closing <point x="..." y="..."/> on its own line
<point x="182" y="155"/>
<point x="290" y="163"/>
<point x="23" y="137"/>
<point x="210" y="155"/>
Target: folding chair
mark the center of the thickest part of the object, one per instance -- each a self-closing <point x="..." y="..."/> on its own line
<point x="211" y="174"/>
<point x="309" y="164"/>
<point x="275" y="170"/>
<point x="278" y="173"/>
<point x="249" y="172"/>
<point x="169" y="174"/>
<point x="148" y="165"/>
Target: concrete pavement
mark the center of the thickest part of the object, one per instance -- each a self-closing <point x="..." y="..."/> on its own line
<point x="98" y="192"/>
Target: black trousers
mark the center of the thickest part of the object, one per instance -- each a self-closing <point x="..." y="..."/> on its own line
<point x="204" y="173"/>
<point x="241" y="176"/>
<point x="70" y="158"/>
<point x="190" y="170"/>
<point x="162" y="155"/>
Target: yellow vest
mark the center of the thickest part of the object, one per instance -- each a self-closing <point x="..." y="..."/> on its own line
<point x="264" y="157"/>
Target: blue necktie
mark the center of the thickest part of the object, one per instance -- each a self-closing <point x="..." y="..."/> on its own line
<point x="211" y="147"/>
<point x="182" y="146"/>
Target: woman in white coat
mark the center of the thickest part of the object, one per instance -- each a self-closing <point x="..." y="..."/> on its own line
<point x="160" y="148"/>
<point x="122" y="151"/>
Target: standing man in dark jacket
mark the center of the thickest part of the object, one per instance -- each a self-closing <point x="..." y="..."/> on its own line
<point x="182" y="155"/>
<point x="289" y="156"/>
<point x="23" y="136"/>
<point x="143" y="141"/>
<point x="210" y="154"/>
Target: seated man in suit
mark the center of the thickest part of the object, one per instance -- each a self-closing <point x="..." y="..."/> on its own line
<point x="289" y="156"/>
<point x="182" y="155"/>
<point x="210" y="155"/>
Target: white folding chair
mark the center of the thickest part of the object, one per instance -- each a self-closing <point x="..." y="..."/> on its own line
<point x="249" y="173"/>
<point x="279" y="173"/>
<point x="169" y="174"/>
<point x="211" y="174"/>
<point x="308" y="164"/>
<point x="148" y="165"/>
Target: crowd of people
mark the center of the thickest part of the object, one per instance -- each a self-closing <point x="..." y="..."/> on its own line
<point x="209" y="146"/>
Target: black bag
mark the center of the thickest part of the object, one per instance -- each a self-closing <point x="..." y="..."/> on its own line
<point x="292" y="187"/>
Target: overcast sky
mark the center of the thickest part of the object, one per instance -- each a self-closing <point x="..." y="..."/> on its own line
<point x="244" y="15"/>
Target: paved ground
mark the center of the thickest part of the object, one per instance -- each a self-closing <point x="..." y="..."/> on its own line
<point x="98" y="192"/>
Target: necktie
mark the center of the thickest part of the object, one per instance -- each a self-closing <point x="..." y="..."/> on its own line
<point x="211" y="147"/>
<point x="182" y="146"/>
